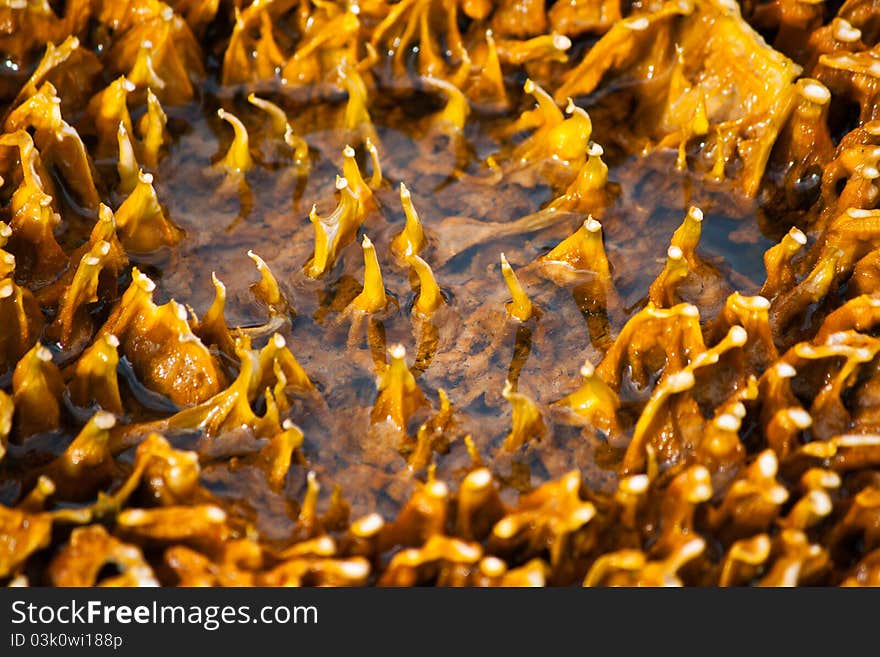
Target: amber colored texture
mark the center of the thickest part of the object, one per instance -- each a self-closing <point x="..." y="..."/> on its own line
<point x="439" y="292"/>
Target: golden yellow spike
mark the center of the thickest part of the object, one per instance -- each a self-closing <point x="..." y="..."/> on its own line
<point x="33" y="221"/>
<point x="777" y="260"/>
<point x="276" y="114"/>
<point x="376" y="178"/>
<point x="547" y="107"/>
<point x="308" y="513"/>
<point x="399" y="394"/>
<point x="784" y="428"/>
<point x="521" y="306"/>
<point x="335" y="231"/>
<point x="687" y="236"/>
<point x="141" y="222"/>
<point x="36" y="390"/>
<point x="276" y="358"/>
<point x="325" y="255"/>
<point x="89" y="450"/>
<point x="277" y="454"/>
<point x="473" y="452"/>
<point x="690" y="112"/>
<point x="791" y="302"/>
<point x="430" y="61"/>
<point x="752" y="313"/>
<point x="455" y="113"/>
<point x="94" y="379"/>
<point x="276" y="401"/>
<point x="7" y="407"/>
<point x="127" y="166"/>
<point x="678" y="82"/>
<point x="143" y="75"/>
<point x="104" y="230"/>
<point x="152" y="130"/>
<point x="236" y="59"/>
<point x="594" y="400"/>
<point x="281" y="127"/>
<point x="662" y="292"/>
<point x="268" y="58"/>
<point x="570" y="139"/>
<point x="83" y="289"/>
<point x="700" y="120"/>
<point x="136" y="300"/>
<point x="110" y="107"/>
<point x="590" y="182"/>
<point x="411" y="240"/>
<point x="546" y="119"/>
<point x="266" y="289"/>
<point x="527" y="422"/>
<point x="212" y="329"/>
<point x="357" y="122"/>
<point x="38" y="497"/>
<point x="352" y="173"/>
<point x="238" y="158"/>
<point x="583" y="250"/>
<point x="755" y="493"/>
<point x="21" y="320"/>
<point x="372" y="299"/>
<point x="491" y="70"/>
<point x="720" y="447"/>
<point x="554" y="509"/>
<point x="298" y="144"/>
<point x="33" y="172"/>
<point x="41" y="111"/>
<point x="421" y="455"/>
<point x="430" y="298"/>
<point x="52" y="58"/>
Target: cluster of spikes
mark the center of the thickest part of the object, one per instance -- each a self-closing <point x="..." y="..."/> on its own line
<point x="742" y="438"/>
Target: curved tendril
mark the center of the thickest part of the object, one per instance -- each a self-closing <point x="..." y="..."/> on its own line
<point x="238" y="158"/>
<point x="520" y="307"/>
<point x="411" y="240"/>
<point x="399" y="395"/>
<point x="527" y="422"/>
<point x="372" y="298"/>
<point x="430" y="298"/>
